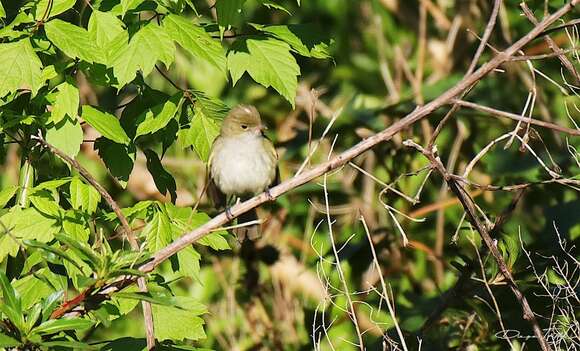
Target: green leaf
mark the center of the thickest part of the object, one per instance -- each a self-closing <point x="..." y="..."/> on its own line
<point x="20" y="224"/>
<point x="67" y="103"/>
<point x="510" y="248"/>
<point x="11" y="305"/>
<point x="158" y="232"/>
<point x="33" y="313"/>
<point x="84" y="251"/>
<point x="164" y="181"/>
<point x="118" y="158"/>
<point x="48" y="73"/>
<point x="9" y="295"/>
<point x="5" y="340"/>
<point x="268" y="61"/>
<point x="195" y="40"/>
<point x="228" y="13"/>
<point x="32" y="290"/>
<point x="273" y="5"/>
<point x="58" y="7"/>
<point x="75" y="226"/>
<point x="53" y="250"/>
<point x="72" y="345"/>
<point x="2" y="11"/>
<point x="149" y="45"/>
<point x="307" y="40"/>
<point x="51" y="303"/>
<point x="20" y="68"/>
<point x="127" y="5"/>
<point x="184" y="220"/>
<point x="179" y="323"/>
<point x="554" y="278"/>
<point x="6" y="194"/>
<point x="188" y="260"/>
<point x="67" y="136"/>
<point x="74" y="41"/>
<point x="45" y="203"/>
<point x="158" y="116"/>
<point x="204" y="126"/>
<point x="29" y="223"/>
<point x="147" y="296"/>
<point x="106" y="124"/>
<point x="11" y="30"/>
<point x="108" y="34"/>
<point x="56" y="325"/>
<point x="83" y="196"/>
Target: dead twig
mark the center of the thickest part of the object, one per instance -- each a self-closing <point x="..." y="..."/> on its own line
<point x="494" y="112"/>
<point x="552" y="44"/>
<point x="482" y="45"/>
<point x="483" y="230"/>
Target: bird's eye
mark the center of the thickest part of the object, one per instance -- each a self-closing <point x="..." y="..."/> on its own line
<point x="244" y="126"/>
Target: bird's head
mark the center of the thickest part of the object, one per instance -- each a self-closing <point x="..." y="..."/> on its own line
<point x="242" y="119"/>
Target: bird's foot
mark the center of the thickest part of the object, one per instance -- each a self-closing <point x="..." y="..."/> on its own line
<point x="269" y="195"/>
<point x="229" y="214"/>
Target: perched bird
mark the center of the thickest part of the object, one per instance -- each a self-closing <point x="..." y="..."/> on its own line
<point x="242" y="163"/>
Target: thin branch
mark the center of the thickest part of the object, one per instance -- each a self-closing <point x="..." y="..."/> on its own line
<point x="166" y="77"/>
<point x="516" y="117"/>
<point x="552" y="44"/>
<point x="343" y="158"/>
<point x="483" y="230"/>
<point x="543" y="56"/>
<point x="478" y="53"/>
<point x="563" y="26"/>
<point x="130" y="236"/>
<point x="384" y="286"/>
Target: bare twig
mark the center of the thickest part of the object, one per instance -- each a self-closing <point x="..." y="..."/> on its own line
<point x="384" y="286"/>
<point x="516" y="117"/>
<point x="478" y="52"/>
<point x="470" y="208"/>
<point x="552" y="44"/>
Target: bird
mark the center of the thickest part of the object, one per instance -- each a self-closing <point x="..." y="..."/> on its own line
<point x="242" y="163"/>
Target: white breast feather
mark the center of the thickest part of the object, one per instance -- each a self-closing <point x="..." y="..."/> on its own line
<point x="241" y="166"/>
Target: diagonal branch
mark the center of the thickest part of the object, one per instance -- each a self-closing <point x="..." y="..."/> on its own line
<point x="474" y="60"/>
<point x="340" y="160"/>
<point x="484" y="232"/>
<point x="499" y="113"/>
<point x="130" y="236"/>
<point x="552" y="44"/>
<point x="343" y="158"/>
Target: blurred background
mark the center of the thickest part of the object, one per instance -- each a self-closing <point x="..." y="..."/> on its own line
<point x="389" y="233"/>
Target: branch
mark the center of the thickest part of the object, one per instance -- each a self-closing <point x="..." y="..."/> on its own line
<point x="552" y="44"/>
<point x="474" y="60"/>
<point x="343" y="158"/>
<point x="340" y="160"/>
<point x="129" y="235"/>
<point x="457" y="291"/>
<point x="484" y="232"/>
<point x="516" y="117"/>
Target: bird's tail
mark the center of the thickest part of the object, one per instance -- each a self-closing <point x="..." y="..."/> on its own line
<point x="251" y="232"/>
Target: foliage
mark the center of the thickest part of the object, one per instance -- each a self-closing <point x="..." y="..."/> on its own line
<point x="135" y="91"/>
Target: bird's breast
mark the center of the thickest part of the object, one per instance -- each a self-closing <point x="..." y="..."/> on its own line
<point x="241" y="165"/>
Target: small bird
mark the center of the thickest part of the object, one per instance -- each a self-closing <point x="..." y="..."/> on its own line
<point x="242" y="163"/>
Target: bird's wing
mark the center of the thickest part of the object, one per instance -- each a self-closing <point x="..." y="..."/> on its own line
<point x="218" y="198"/>
<point x="269" y="146"/>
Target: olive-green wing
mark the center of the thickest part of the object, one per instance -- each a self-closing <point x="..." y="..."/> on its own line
<point x="269" y="146"/>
